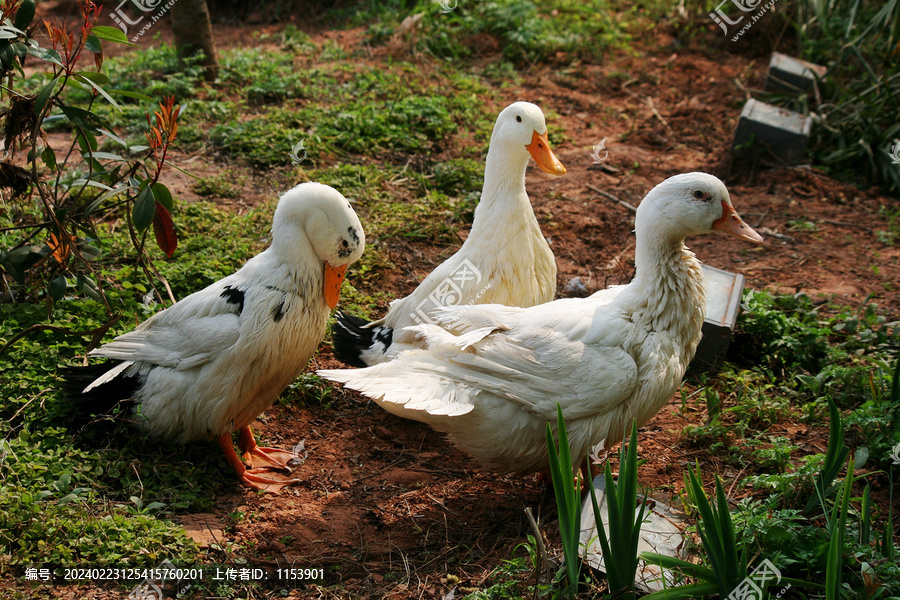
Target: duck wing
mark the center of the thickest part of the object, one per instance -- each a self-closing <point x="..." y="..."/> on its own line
<point x="189" y="333"/>
<point x="535" y="358"/>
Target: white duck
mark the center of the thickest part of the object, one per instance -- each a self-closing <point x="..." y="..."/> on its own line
<point x="491" y="376"/>
<point x="209" y="364"/>
<point x="505" y="259"/>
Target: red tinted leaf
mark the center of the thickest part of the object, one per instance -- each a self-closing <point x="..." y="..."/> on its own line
<point x="164" y="230"/>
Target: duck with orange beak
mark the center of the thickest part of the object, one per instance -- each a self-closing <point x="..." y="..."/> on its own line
<point x="212" y="362"/>
<point x="491" y="377"/>
<point x="505" y="259"/>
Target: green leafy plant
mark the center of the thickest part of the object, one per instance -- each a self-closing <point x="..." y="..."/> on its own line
<point x="835" y="455"/>
<point x="877" y="420"/>
<point x="61" y="196"/>
<point x="727" y="562"/>
<point x="620" y="555"/>
<point x="836" y="529"/>
<point x="886" y="544"/>
<point x="568" y="501"/>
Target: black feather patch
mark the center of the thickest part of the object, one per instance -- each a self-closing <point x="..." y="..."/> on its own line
<point x="234" y="296"/>
<point x="278" y="311"/>
<point x="353" y="234"/>
<point x="102" y="398"/>
<point x="350" y="338"/>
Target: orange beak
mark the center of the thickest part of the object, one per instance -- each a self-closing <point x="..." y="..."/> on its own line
<point x="334" y="277"/>
<point x="731" y="222"/>
<point x="540" y="151"/>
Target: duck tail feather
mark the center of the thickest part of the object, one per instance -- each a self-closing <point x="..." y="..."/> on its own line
<point x="98" y="388"/>
<point x="357" y="342"/>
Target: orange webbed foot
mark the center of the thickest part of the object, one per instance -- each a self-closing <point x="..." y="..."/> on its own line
<point x="256" y="456"/>
<point x="261" y="479"/>
<point x="265" y="480"/>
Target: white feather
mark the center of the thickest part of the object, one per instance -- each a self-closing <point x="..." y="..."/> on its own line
<point x="108" y="376"/>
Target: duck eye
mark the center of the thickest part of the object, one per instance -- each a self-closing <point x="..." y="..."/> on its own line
<point x="698" y="194"/>
<point x="344" y="243"/>
<point x="518" y="119"/>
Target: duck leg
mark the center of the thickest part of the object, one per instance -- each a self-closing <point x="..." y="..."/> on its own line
<point x="258" y="479"/>
<point x="273" y="458"/>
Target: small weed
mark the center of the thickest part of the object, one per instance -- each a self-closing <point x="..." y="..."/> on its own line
<point x="296" y="40"/>
<point x="802" y="225"/>
<point x="308" y="389"/>
<point x="772" y="453"/>
<point x="510" y="578"/>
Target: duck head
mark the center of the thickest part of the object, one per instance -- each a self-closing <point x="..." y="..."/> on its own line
<point x="312" y="221"/>
<point x="520" y="128"/>
<point x="691" y="204"/>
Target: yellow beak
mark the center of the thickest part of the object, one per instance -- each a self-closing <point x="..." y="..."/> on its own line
<point x="540" y="151"/>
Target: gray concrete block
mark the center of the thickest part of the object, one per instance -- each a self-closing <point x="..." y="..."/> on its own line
<point x="789" y="74"/>
<point x="766" y="127"/>
<point x="723" y="300"/>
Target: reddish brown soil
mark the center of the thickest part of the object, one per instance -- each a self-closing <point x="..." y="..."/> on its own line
<point x="386" y="506"/>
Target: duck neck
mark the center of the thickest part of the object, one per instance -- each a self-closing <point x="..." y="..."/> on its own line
<point x="503" y="197"/>
<point x="669" y="288"/>
<point x="290" y="248"/>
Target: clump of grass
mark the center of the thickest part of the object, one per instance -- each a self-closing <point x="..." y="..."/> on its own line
<point x="263" y="77"/>
<point x="526" y="32"/>
<point x="726" y="562"/>
<point x="264" y="140"/>
<point x="216" y="186"/>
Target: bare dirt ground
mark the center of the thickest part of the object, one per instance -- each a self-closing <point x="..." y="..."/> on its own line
<point x="387" y="507"/>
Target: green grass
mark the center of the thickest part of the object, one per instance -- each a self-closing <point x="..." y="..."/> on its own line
<point x="526" y="32"/>
<point x="66" y="497"/>
<point x="263" y="104"/>
<point x="77" y="493"/>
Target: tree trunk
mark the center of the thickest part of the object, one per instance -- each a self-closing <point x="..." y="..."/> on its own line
<point x="193" y="33"/>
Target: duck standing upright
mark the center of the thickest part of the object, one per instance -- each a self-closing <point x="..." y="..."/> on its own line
<point x="491" y="376"/>
<point x="505" y="259"/>
<point x="209" y="364"/>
